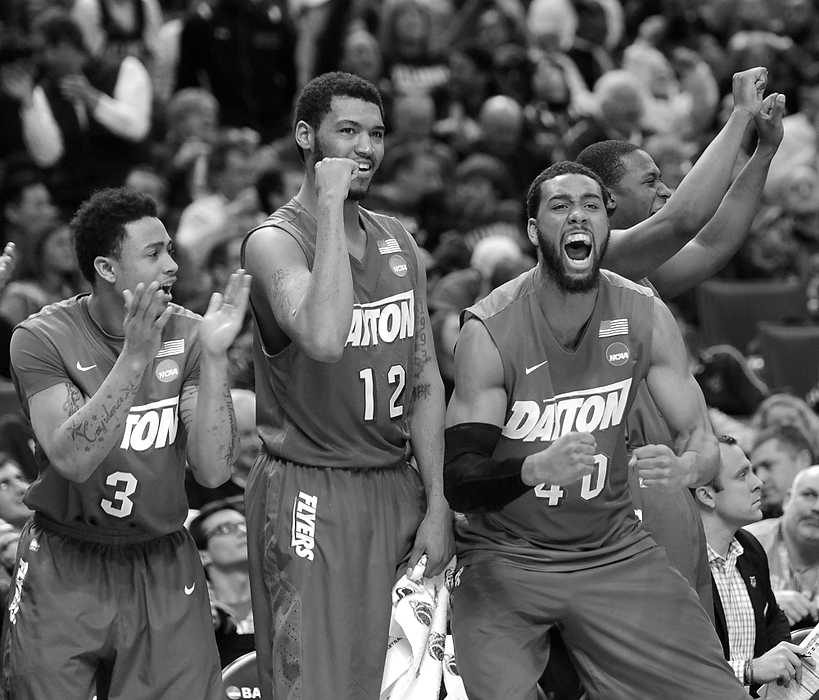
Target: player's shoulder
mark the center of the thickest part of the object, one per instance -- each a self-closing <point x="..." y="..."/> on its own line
<point x="54" y="317"/>
<point x="502" y="298"/>
<point x="615" y="281"/>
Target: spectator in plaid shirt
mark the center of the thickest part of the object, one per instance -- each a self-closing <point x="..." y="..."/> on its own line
<point x="753" y="630"/>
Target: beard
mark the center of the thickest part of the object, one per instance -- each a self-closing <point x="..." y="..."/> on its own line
<point x="553" y="265"/>
<point x="357" y="190"/>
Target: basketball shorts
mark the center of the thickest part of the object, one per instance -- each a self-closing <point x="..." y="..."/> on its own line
<point x="122" y="621"/>
<point x="634" y="629"/>
<point x="325" y="548"/>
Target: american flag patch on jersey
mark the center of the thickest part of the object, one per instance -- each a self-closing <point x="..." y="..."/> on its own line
<point x="388" y="246"/>
<point x="172" y="347"/>
<point x="617" y="326"/>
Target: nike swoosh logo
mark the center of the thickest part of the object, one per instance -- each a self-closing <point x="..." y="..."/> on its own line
<point x="84" y="369"/>
<point x="529" y="370"/>
<point x="189" y="589"/>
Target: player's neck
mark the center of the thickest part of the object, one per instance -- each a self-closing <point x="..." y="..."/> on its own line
<point x="566" y="312"/>
<point x="107" y="316"/>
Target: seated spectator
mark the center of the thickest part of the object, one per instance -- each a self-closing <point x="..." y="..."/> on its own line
<point x="119" y="28"/>
<point x="192" y="118"/>
<point x="229" y="211"/>
<point x="753" y="630"/>
<point x="144" y="179"/>
<point x="243" y="51"/>
<point x="87" y="119"/>
<point x="17" y="441"/>
<point x="13" y="486"/>
<point x="54" y="275"/>
<point x="620" y="100"/>
<point x="361" y="55"/>
<point x="787" y="409"/>
<point x="778" y="454"/>
<point x="792" y="545"/>
<point x="481" y="205"/>
<point x="412" y="62"/>
<point x="28" y="211"/>
<point x="220" y="533"/>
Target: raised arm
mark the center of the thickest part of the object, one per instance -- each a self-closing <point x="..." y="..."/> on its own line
<point x="637" y="251"/>
<point x="426" y="418"/>
<point x="207" y="409"/>
<point x="77" y="432"/>
<point x="312" y="308"/>
<point x="717" y="242"/>
<point x="679" y="398"/>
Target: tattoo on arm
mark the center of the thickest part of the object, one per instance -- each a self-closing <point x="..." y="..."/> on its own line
<point x="73" y="399"/>
<point x="422" y="352"/>
<point x="278" y="281"/>
<point x="95" y="427"/>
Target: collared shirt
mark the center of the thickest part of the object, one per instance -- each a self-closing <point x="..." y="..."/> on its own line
<point x="739" y="613"/>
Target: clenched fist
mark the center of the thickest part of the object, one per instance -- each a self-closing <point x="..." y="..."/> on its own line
<point x="566" y="460"/>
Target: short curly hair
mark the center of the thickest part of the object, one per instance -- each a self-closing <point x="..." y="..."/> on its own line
<point x="99" y="224"/>
<point x="316" y="97"/>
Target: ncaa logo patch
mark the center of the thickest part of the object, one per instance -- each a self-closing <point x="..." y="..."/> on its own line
<point x="166" y="371"/>
<point x="398" y="265"/>
<point x="617" y="354"/>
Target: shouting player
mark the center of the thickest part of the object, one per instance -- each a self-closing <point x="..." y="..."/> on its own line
<point x="545" y="371"/>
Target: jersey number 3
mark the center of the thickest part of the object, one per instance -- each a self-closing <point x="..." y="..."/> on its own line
<point x="397" y="377"/>
<point x="125" y="485"/>
<point x="591" y="486"/>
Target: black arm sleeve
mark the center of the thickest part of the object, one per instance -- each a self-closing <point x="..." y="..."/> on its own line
<point x="473" y="481"/>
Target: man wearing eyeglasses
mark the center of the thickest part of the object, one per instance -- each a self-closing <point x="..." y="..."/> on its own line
<point x="220" y="533"/>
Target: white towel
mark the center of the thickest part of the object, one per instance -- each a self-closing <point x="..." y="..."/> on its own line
<point x="416" y="648"/>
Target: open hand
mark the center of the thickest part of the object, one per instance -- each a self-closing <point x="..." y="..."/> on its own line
<point x="225" y="314"/>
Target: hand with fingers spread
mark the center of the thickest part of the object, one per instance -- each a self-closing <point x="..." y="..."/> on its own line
<point x="659" y="466"/>
<point x="768" y="120"/>
<point x="782" y="664"/>
<point x="7" y="262"/>
<point x="146" y="312"/>
<point x="748" y="89"/>
<point x="225" y="314"/>
<point x="334" y="177"/>
<point x="566" y="460"/>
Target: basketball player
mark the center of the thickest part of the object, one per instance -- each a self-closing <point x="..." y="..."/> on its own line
<point x="346" y="382"/>
<point x="121" y="387"/>
<point x="545" y="371"/>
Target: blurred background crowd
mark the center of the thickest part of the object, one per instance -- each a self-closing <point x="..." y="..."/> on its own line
<point x="190" y="101"/>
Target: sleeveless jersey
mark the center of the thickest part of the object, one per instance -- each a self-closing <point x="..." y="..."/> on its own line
<point x="349" y="413"/>
<point x="137" y="492"/>
<point x="552" y="391"/>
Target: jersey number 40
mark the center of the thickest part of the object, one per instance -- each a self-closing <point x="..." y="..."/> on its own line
<point x="591" y="486"/>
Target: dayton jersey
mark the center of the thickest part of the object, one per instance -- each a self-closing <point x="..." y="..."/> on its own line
<point x="137" y="492"/>
<point x="552" y="391"/>
<point x="350" y="413"/>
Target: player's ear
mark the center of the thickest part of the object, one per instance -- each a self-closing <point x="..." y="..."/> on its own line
<point x="105" y="269"/>
<point x="531" y="232"/>
<point x="304" y="135"/>
<point x="611" y="202"/>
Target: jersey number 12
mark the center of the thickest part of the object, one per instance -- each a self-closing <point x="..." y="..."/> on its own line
<point x="397" y="377"/>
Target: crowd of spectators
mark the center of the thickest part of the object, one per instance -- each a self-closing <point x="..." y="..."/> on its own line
<point x="190" y="101"/>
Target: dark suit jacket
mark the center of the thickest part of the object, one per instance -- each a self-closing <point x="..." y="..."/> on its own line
<point x="771" y="624"/>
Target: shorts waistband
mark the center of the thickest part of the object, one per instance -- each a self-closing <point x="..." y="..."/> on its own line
<point x="106" y="538"/>
<point x="290" y="463"/>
